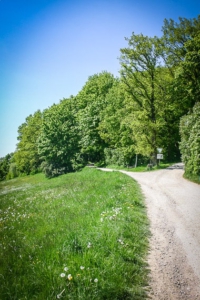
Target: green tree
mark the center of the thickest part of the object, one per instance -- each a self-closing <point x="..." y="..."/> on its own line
<point x="58" y="141"/>
<point x="26" y="156"/>
<point x="146" y="82"/>
<point x="91" y="101"/>
<point x="180" y="44"/>
<point x="187" y="79"/>
<point x="114" y="129"/>
<point x="175" y="36"/>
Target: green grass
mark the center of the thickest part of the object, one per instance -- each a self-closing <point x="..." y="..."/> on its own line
<point x="90" y="224"/>
<point x="142" y="168"/>
<point x="192" y="177"/>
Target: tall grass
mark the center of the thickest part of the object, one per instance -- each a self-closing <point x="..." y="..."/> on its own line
<point x="79" y="236"/>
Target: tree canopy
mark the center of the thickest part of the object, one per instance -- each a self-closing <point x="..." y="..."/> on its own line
<point x="58" y="140"/>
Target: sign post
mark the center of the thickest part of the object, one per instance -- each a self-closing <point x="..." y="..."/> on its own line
<point x="159" y="155"/>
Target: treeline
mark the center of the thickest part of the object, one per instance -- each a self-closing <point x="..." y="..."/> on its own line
<point x="153" y="104"/>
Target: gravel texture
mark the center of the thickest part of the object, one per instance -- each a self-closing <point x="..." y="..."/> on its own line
<point x="173" y="206"/>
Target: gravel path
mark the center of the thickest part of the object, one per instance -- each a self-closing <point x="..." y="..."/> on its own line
<point x="173" y="206"/>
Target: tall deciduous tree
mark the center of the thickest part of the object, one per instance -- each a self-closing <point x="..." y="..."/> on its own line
<point x="26" y="156"/>
<point x="91" y="101"/>
<point x="180" y="52"/>
<point x="175" y="36"/>
<point x="58" y="141"/>
<point x="114" y="129"/>
<point x="142" y="74"/>
<point x="188" y="74"/>
<point x="180" y="44"/>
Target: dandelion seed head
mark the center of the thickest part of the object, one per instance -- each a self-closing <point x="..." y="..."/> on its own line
<point x="62" y="275"/>
<point x="66" y="269"/>
<point x="82" y="268"/>
<point x="95" y="280"/>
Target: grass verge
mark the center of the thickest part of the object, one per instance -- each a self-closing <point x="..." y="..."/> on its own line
<point x="192" y="177"/>
<point x="79" y="236"/>
<point x="142" y="168"/>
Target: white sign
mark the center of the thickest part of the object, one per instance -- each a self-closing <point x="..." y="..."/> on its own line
<point x="159" y="150"/>
<point x="159" y="156"/>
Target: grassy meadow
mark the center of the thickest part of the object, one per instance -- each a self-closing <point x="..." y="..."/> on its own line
<point x="78" y="236"/>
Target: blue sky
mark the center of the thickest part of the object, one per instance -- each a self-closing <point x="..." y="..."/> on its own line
<point x="49" y="48"/>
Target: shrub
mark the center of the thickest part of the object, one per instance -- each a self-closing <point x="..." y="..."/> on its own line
<point x="51" y="170"/>
<point x="120" y="156"/>
<point x="12" y="171"/>
<point x="190" y="141"/>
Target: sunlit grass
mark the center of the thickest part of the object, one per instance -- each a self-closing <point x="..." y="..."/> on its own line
<point x="192" y="177"/>
<point x="142" y="168"/>
<point x="78" y="236"/>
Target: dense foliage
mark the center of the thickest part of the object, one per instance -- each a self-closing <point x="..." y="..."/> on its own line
<point x="27" y="157"/>
<point x="146" y="83"/>
<point x="190" y="141"/>
<point x="113" y="120"/>
<point x="5" y="163"/>
<point x="58" y="141"/>
<point x="91" y="103"/>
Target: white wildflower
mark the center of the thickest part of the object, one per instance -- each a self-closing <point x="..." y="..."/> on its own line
<point x="120" y="241"/>
<point x="95" y="280"/>
<point x="89" y="245"/>
<point x="62" y="275"/>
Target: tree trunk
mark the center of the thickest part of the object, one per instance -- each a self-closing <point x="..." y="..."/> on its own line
<point x="136" y="159"/>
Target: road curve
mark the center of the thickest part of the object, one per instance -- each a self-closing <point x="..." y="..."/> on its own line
<point x="173" y="207"/>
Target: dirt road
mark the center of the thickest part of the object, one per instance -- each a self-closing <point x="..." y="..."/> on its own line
<point x="173" y="206"/>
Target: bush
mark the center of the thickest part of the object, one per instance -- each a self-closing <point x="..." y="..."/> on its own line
<point x="5" y="165"/>
<point x="12" y="171"/>
<point x="115" y="157"/>
<point x="51" y="170"/>
<point x="190" y="141"/>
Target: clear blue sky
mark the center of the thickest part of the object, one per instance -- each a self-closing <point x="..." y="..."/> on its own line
<point x="49" y="48"/>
